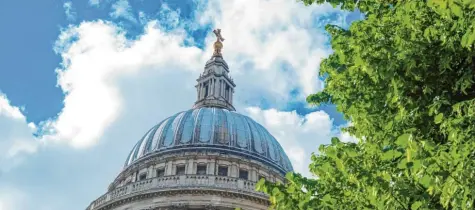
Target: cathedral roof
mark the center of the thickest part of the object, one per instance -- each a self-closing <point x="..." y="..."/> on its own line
<point x="212" y="129"/>
<point x="213" y="123"/>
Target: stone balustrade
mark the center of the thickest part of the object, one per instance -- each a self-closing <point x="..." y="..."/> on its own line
<point x="181" y="182"/>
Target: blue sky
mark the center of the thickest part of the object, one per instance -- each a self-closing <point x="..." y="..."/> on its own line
<point x="81" y="81"/>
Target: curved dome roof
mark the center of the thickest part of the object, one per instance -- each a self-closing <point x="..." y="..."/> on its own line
<point x="213" y="129"/>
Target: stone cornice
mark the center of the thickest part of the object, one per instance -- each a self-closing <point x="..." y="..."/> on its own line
<point x="214" y="102"/>
<point x="205" y="76"/>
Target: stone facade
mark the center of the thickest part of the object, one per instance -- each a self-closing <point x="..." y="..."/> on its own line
<point x="157" y="183"/>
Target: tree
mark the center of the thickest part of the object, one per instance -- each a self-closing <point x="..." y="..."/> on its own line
<point x="404" y="76"/>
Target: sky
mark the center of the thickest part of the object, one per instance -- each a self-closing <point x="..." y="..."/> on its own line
<point x="82" y="81"/>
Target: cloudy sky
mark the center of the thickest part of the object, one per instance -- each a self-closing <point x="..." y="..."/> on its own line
<point x="81" y="81"/>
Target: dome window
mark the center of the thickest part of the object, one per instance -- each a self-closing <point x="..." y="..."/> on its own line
<point x="160" y="172"/>
<point x="180" y="170"/>
<point x="222" y="170"/>
<point x="201" y="169"/>
<point x="243" y="174"/>
<point x="142" y="176"/>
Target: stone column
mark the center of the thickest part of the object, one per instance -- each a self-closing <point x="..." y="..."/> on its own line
<point x="200" y="90"/>
<point x="134" y="179"/>
<point x="233" y="170"/>
<point x="211" y="87"/>
<point x="169" y="168"/>
<point x="253" y="174"/>
<point x="229" y="94"/>
<point x="189" y="167"/>
<point x="221" y="92"/>
<point x="211" y="166"/>
<point x="216" y="88"/>
<point x="150" y="172"/>
<point x="224" y="88"/>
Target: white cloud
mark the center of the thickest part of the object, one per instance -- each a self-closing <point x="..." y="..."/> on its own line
<point x="16" y="137"/>
<point x="97" y="57"/>
<point x="69" y="11"/>
<point x="298" y="135"/>
<point x="267" y="34"/>
<point x="93" y="67"/>
<point x="345" y="136"/>
<point x="122" y="9"/>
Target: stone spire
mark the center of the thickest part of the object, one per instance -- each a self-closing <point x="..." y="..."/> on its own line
<point x="215" y="88"/>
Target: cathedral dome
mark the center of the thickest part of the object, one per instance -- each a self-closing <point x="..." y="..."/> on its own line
<point x="207" y="158"/>
<point x="210" y="128"/>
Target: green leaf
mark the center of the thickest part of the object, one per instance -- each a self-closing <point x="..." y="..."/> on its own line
<point x="260" y="185"/>
<point x="438" y="118"/>
<point x="389" y="125"/>
<point x="403" y="139"/>
<point x="339" y="164"/>
<point x="426" y="181"/>
<point x="471" y="36"/>
<point x="351" y="153"/>
<point x="335" y="140"/>
<point x="416" y="205"/>
<point x="417" y="165"/>
<point x="402" y="164"/>
<point x="391" y="154"/>
<point x="456" y="10"/>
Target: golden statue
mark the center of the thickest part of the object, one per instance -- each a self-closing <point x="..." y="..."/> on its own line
<point x="218" y="45"/>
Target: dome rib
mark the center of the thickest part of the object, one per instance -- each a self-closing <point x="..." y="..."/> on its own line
<point x="211" y="128"/>
<point x="148" y="145"/>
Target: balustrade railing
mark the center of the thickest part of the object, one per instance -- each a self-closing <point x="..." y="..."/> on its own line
<point x="183" y="181"/>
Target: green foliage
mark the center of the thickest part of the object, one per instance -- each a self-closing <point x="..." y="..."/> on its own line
<point x="405" y="77"/>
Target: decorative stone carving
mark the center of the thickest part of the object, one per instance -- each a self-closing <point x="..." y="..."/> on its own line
<point x="211" y="207"/>
<point x="178" y="207"/>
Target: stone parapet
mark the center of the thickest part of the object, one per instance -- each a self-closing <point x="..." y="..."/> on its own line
<point x="169" y="183"/>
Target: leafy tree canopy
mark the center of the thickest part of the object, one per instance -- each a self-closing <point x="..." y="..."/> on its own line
<point x="404" y="76"/>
